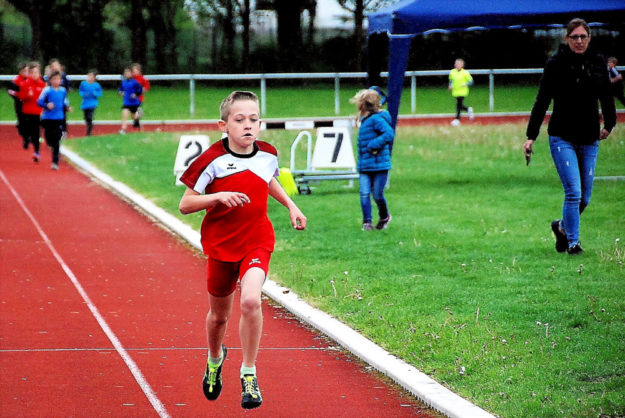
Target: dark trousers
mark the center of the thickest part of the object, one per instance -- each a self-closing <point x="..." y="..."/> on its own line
<point x="53" y="130"/>
<point x="460" y="106"/>
<point x="89" y="119"/>
<point x="30" y="131"/>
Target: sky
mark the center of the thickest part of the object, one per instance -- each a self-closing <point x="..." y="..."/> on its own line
<point x="327" y="11"/>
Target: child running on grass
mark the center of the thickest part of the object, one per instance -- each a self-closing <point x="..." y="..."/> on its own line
<point x="90" y="91"/>
<point x="232" y="181"/>
<point x="130" y="90"/>
<point x="459" y="82"/>
<point x="375" y="139"/>
<point x="55" y="103"/>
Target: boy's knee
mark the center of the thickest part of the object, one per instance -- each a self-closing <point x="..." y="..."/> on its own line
<point x="217" y="319"/>
<point x="250" y="305"/>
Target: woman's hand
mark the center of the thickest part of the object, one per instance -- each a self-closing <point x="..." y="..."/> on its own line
<point x="604" y="134"/>
<point x="527" y="148"/>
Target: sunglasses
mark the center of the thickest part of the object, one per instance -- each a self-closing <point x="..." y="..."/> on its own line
<point x="578" y="37"/>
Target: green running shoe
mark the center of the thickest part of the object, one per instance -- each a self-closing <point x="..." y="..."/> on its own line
<point x="250" y="395"/>
<point x="212" y="382"/>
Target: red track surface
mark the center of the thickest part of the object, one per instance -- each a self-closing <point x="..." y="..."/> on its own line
<point x="56" y="360"/>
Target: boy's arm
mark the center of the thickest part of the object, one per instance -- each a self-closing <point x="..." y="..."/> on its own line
<point x="42" y="101"/>
<point x="193" y="201"/>
<point x="298" y="220"/>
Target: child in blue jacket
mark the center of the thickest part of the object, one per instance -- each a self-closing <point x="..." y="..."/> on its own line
<point x="55" y="103"/>
<point x="90" y="91"/>
<point x="375" y="139"/>
<point x="130" y="90"/>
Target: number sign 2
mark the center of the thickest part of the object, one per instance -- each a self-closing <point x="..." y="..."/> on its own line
<point x="189" y="148"/>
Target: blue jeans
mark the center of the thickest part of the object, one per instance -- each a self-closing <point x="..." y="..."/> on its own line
<point x="373" y="181"/>
<point x="576" y="168"/>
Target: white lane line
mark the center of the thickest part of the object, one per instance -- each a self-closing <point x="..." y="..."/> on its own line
<point x="203" y="349"/>
<point x="134" y="369"/>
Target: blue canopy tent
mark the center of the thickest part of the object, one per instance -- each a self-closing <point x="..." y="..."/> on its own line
<point x="408" y="18"/>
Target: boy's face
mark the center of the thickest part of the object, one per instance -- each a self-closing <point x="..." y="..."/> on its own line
<point x="55" y="66"/>
<point x="136" y="71"/>
<point x="24" y="72"/>
<point x="611" y="64"/>
<point x="55" y="81"/>
<point x="91" y="77"/>
<point x="242" y="126"/>
<point x="127" y="74"/>
<point x="459" y="64"/>
<point x="34" y="73"/>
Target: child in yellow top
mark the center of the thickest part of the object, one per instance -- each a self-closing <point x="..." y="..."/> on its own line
<point x="459" y="82"/>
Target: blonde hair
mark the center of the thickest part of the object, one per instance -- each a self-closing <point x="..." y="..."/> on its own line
<point x="235" y="96"/>
<point x="367" y="101"/>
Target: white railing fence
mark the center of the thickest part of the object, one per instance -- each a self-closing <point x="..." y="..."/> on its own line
<point x="337" y="77"/>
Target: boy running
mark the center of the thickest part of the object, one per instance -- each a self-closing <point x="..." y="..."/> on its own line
<point x="232" y="181"/>
<point x="130" y="90"/>
<point x="55" y="103"/>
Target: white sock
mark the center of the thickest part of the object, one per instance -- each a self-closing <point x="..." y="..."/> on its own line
<point x="248" y="370"/>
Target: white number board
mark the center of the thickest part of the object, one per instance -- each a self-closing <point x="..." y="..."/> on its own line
<point x="333" y="149"/>
<point x="189" y="148"/>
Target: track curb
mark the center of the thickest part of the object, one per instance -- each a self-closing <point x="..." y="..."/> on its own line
<point x="408" y="377"/>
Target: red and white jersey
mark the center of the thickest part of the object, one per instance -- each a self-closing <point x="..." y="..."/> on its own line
<point x="229" y="234"/>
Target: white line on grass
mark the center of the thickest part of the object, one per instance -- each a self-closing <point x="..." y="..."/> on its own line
<point x="134" y="369"/>
<point x="419" y="384"/>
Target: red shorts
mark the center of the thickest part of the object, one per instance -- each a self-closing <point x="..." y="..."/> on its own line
<point x="222" y="275"/>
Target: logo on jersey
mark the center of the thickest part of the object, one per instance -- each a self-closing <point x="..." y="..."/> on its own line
<point x="254" y="261"/>
<point x="231" y="166"/>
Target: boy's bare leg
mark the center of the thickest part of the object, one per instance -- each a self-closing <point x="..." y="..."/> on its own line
<point x="251" y="323"/>
<point x="217" y="321"/>
<point x="125" y="114"/>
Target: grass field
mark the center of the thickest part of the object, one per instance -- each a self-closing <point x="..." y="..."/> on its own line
<point x="164" y="103"/>
<point x="465" y="284"/>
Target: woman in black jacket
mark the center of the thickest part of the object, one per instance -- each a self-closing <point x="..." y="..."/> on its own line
<point x="576" y="79"/>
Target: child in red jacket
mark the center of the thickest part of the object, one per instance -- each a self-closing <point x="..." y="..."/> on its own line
<point x="29" y="92"/>
<point x="14" y="88"/>
<point x="137" y="74"/>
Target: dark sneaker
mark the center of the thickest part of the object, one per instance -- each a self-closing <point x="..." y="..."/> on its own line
<point x="561" y="241"/>
<point x="212" y="382"/>
<point x="367" y="226"/>
<point x="136" y="124"/>
<point x="383" y="223"/>
<point x="36" y="157"/>
<point x="250" y="393"/>
<point x="575" y="250"/>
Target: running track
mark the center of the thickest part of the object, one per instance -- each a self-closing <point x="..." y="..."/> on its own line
<point x="102" y="314"/>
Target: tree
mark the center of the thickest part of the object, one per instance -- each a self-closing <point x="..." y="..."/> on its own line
<point x="70" y="30"/>
<point x="289" y="14"/>
<point x="161" y="21"/>
<point x="358" y="9"/>
<point x="37" y="12"/>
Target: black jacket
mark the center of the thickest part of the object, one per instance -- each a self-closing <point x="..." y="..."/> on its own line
<point x="576" y="83"/>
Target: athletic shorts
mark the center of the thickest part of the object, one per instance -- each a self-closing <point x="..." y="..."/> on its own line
<point x="222" y="276"/>
<point x="133" y="109"/>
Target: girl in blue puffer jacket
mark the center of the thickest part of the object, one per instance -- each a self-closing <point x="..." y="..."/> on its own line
<point x="375" y="138"/>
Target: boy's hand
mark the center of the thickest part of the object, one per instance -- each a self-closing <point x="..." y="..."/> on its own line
<point x="298" y="220"/>
<point x="232" y="199"/>
<point x="50" y="105"/>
